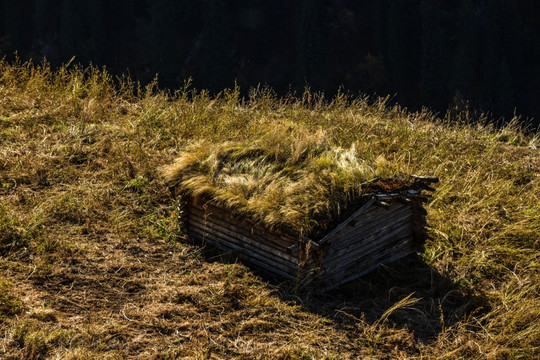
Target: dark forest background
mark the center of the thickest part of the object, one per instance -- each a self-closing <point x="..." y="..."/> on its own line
<point x="444" y="54"/>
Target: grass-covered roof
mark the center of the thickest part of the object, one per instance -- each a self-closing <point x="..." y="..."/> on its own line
<point x="286" y="178"/>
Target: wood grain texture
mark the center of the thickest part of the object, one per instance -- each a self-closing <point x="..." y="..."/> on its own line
<point x="371" y="236"/>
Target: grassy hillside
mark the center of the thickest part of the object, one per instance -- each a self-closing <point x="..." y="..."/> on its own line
<point x="93" y="264"/>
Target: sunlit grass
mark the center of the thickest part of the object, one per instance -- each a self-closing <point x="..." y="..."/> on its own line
<point x="80" y="160"/>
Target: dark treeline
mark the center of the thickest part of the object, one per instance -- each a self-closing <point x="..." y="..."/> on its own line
<point x="445" y="54"/>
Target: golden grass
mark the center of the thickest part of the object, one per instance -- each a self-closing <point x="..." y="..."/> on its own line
<point x="91" y="268"/>
<point x="288" y="177"/>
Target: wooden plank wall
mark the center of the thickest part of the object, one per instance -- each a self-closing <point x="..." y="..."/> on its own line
<point x="375" y="235"/>
<point x="378" y="235"/>
<point x="261" y="247"/>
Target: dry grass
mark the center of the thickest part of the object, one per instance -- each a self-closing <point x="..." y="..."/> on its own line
<point x="91" y="265"/>
<point x="288" y="177"/>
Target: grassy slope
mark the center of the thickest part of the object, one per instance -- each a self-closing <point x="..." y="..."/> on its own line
<point x="90" y="266"/>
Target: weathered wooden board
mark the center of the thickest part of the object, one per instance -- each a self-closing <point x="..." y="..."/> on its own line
<point x="267" y="249"/>
<point x="352" y="273"/>
<point x="219" y="239"/>
<point x="343" y="257"/>
<point x="243" y="229"/>
<point x="264" y="265"/>
<point x="372" y="228"/>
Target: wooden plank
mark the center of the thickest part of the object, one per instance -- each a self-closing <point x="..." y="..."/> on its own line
<point x="379" y="254"/>
<point x="365" y="262"/>
<point x="419" y="198"/>
<point x="284" y="234"/>
<point x="372" y="230"/>
<point x="364" y="229"/>
<point x="211" y="208"/>
<point x="249" y="237"/>
<point x="253" y="242"/>
<point x="232" y="224"/>
<point x="245" y="252"/>
<point x="247" y="227"/>
<point x="357" y="257"/>
<point x="411" y="195"/>
<point x="252" y="233"/>
<point x="362" y="235"/>
<point x="427" y="179"/>
<point x="248" y="249"/>
<point x="352" y="252"/>
<point x="215" y="236"/>
<point x="367" y="224"/>
<point x="287" y="235"/>
<point x="278" y="239"/>
<point x="367" y="248"/>
<point x="260" y="264"/>
<point x="340" y="279"/>
<point x="362" y="209"/>
<point x="345" y="255"/>
<point x="379" y="214"/>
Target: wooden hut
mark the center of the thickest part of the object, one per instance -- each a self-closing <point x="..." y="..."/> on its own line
<point x="297" y="206"/>
<point x="388" y="224"/>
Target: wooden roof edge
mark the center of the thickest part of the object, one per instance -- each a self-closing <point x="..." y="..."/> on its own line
<point x="424" y="182"/>
<point x="409" y="195"/>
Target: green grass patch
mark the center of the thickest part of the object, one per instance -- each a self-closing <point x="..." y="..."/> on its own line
<point x="10" y="305"/>
<point x="12" y="235"/>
